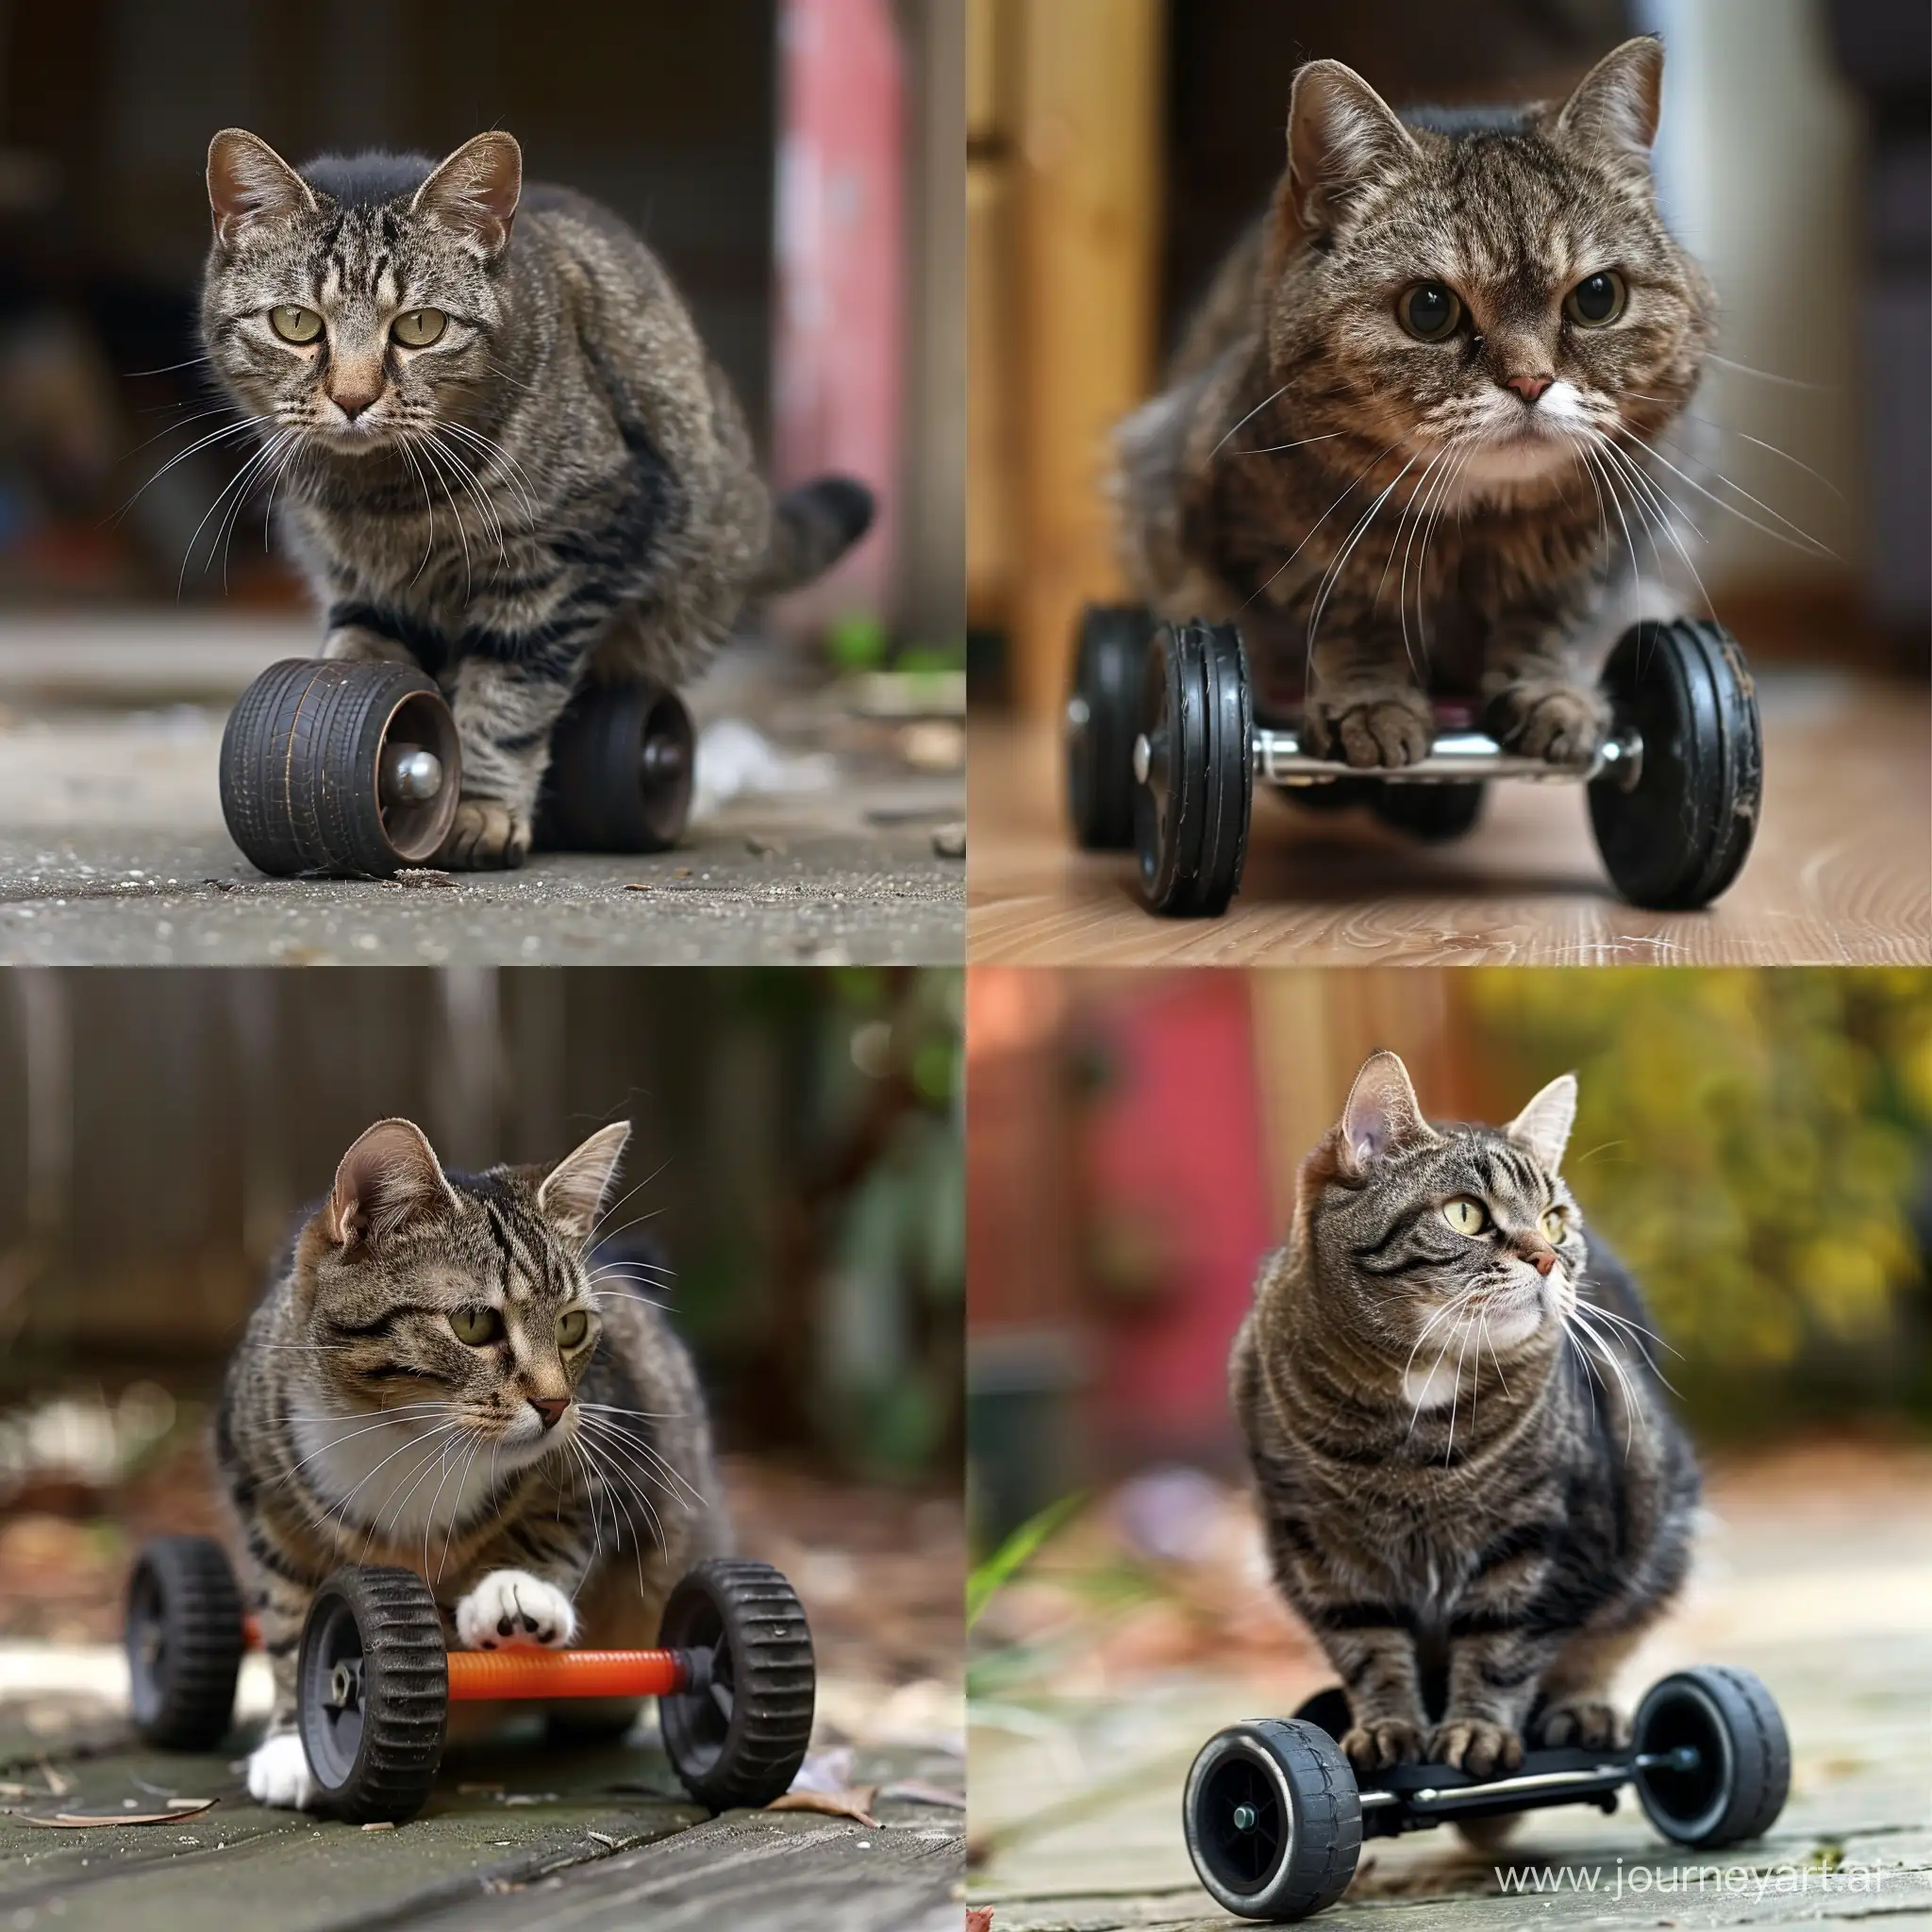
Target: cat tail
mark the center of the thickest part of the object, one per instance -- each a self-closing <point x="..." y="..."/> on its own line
<point x="813" y="527"/>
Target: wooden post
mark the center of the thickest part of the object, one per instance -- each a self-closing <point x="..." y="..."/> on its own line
<point x="1090" y="147"/>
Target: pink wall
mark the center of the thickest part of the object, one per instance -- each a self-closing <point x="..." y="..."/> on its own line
<point x="839" y="359"/>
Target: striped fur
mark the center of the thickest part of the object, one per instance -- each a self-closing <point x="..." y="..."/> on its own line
<point x="1470" y="1485"/>
<point x="558" y="489"/>
<point x="356" y="1428"/>
<point x="1383" y="515"/>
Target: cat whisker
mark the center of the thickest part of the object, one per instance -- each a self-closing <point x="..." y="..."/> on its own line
<point x="637" y="1541"/>
<point x="599" y="1226"/>
<point x="1275" y="449"/>
<point x="647" y="1454"/>
<point x="1264" y="588"/>
<point x="1801" y="539"/>
<point x="1332" y="575"/>
<point x="1247" y="419"/>
<point x="1765" y="375"/>
<point x="456" y="517"/>
<point x="207" y="442"/>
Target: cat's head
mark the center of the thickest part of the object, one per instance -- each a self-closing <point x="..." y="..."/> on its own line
<point x="1421" y="1239"/>
<point x="1498" y="287"/>
<point x="354" y="303"/>
<point x="456" y="1298"/>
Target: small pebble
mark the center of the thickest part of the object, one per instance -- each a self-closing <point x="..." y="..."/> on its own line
<point x="949" y="841"/>
<point x="764" y="848"/>
<point x="381" y="1824"/>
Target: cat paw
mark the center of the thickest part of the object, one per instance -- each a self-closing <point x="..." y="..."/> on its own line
<point x="511" y="1606"/>
<point x="487" y="835"/>
<point x="1476" y="1746"/>
<point x="1563" y="722"/>
<point x="1372" y="729"/>
<point x="1377" y="1745"/>
<point x="278" y="1773"/>
<point x="1591" y="1726"/>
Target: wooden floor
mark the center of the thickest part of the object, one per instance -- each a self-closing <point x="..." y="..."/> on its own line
<point x="1840" y="873"/>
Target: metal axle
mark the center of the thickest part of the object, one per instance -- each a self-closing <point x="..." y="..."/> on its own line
<point x="409" y="775"/>
<point x="1455" y="754"/>
<point x="1606" y="1776"/>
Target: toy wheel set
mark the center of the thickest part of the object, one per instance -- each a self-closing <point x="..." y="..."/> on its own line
<point x="1274" y="1815"/>
<point x="733" y="1678"/>
<point x="1163" y="749"/>
<point x="353" y="770"/>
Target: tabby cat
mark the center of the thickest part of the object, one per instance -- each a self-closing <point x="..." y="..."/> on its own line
<point x="1468" y="1482"/>
<point x="508" y="462"/>
<point x="437" y="1378"/>
<point x="1410" y="438"/>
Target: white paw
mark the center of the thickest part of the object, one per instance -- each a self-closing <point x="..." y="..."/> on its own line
<point x="512" y="1607"/>
<point x="278" y="1773"/>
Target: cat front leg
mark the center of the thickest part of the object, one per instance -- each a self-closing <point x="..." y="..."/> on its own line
<point x="1534" y="702"/>
<point x="1495" y="1668"/>
<point x="1378" y="1666"/>
<point x="278" y="1766"/>
<point x="1364" y="705"/>
<point x="504" y="712"/>
<point x="356" y="643"/>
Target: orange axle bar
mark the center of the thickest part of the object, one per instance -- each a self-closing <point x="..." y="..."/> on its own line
<point x="482" y="1676"/>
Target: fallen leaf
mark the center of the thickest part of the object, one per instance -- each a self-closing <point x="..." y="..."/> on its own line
<point x="978" y="1918"/>
<point x="422" y="876"/>
<point x="635" y="886"/>
<point x="683" y="872"/>
<point x="56" y="1784"/>
<point x="81" y="1821"/>
<point x="856" y="1803"/>
<point x="381" y="1824"/>
<point x="915" y="1790"/>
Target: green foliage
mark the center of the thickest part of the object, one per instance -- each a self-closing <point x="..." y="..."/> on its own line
<point x="856" y="642"/>
<point x="1749" y="1142"/>
<point x="999" y="1568"/>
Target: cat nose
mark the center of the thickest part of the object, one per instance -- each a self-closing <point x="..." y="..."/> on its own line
<point x="1541" y="1259"/>
<point x="1528" y="387"/>
<point x="352" y="402"/>
<point x="550" y="1408"/>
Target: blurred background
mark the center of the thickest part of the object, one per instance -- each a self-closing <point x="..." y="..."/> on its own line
<point x="796" y="164"/>
<point x="1117" y="147"/>
<point x="795" y="1163"/>
<point x="1756" y="1144"/>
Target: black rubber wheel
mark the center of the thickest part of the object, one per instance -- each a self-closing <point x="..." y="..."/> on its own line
<point x="303" y="779"/>
<point x="372" y="1685"/>
<point x="736" y="1736"/>
<point x="1102" y="718"/>
<point x="1273" y="1818"/>
<point x="1737" y="1784"/>
<point x="1432" y="813"/>
<point x="1327" y="1710"/>
<point x="1675" y="837"/>
<point x="621" y="761"/>
<point x="184" y="1642"/>
<point x="1191" y="810"/>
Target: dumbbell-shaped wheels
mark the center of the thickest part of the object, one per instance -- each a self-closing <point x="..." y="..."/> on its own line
<point x="1102" y="714"/>
<point x="1193" y="766"/>
<point x="1675" y="826"/>
<point x="622" y="762"/>
<point x="1273" y="1818"/>
<point x="184" y="1641"/>
<point x="339" y="769"/>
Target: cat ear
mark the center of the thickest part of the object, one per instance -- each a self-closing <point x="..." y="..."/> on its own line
<point x="474" y="192"/>
<point x="388" y="1177"/>
<point x="1382" y="1113"/>
<point x="1614" y="110"/>
<point x="572" y="1191"/>
<point x="1341" y="131"/>
<point x="247" y="181"/>
<point x="1544" y="1126"/>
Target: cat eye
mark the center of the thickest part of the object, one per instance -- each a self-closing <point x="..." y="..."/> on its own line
<point x="416" y="328"/>
<point x="572" y="1327"/>
<point x="1466" y="1216"/>
<point x="295" y="325"/>
<point x="477" y="1326"/>
<point x="1597" y="300"/>
<point x="1554" y="1226"/>
<point x="1429" y="311"/>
